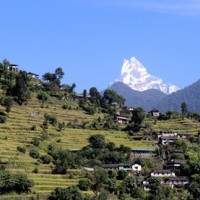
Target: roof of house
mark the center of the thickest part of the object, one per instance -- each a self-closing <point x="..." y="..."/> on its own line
<point x="154" y="110"/>
<point x="177" y="179"/>
<point x="177" y="161"/>
<point x="30" y="73"/>
<point x="143" y="149"/>
<point x="13" y="65"/>
<point x="161" y="171"/>
<point x="115" y="165"/>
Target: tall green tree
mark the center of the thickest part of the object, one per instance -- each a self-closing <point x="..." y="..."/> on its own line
<point x="138" y="115"/>
<point x="184" y="109"/>
<point x="110" y="96"/>
<point x="52" y="80"/>
<point x="95" y="97"/>
<point x="97" y="141"/>
<point x="21" y="89"/>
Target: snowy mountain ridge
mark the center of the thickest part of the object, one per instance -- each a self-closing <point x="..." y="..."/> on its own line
<point x="135" y="75"/>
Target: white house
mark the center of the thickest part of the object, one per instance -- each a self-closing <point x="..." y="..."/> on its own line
<point x="162" y="173"/>
<point x="136" y="167"/>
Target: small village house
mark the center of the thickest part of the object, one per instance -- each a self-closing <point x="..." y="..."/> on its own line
<point x="154" y="113"/>
<point x="162" y="173"/>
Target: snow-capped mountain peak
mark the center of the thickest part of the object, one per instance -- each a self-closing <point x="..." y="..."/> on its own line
<point x="135" y="75"/>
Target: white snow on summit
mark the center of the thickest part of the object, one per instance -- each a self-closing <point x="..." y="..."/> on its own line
<point x="135" y="75"/>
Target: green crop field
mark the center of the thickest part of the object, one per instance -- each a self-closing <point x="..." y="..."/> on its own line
<point x="18" y="131"/>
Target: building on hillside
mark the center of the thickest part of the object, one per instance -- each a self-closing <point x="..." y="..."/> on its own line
<point x="13" y="68"/>
<point x="130" y="108"/>
<point x="121" y="119"/>
<point x="123" y="167"/>
<point x="166" y="140"/>
<point x="32" y="75"/>
<point x="175" y="181"/>
<point x="162" y="173"/>
<point x="175" y="164"/>
<point x="143" y="153"/>
<point x="80" y="97"/>
<point x="89" y="169"/>
<point x="170" y="181"/>
<point x="165" y="134"/>
<point x="154" y="113"/>
<point x="185" y="135"/>
<point x="114" y="104"/>
<point x="136" y="167"/>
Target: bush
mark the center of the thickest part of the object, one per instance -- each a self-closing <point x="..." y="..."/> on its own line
<point x="34" y="153"/>
<point x="46" y="159"/>
<point x="85" y="184"/>
<point x="65" y="107"/>
<point x="70" y="193"/>
<point x="90" y="109"/>
<point x="121" y="175"/>
<point x="21" y="149"/>
<point x="36" y="142"/>
<point x="7" y="102"/>
<point x="43" y="96"/>
<point x="51" y="119"/>
<point x="33" y="128"/>
<point x="35" y="170"/>
<point x="14" y="183"/>
<point x="2" y="119"/>
<point x="97" y="141"/>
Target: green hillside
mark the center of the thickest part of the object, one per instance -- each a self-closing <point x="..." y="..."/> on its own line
<point x="48" y="134"/>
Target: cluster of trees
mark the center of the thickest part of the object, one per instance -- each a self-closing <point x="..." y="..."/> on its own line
<point x="98" y="152"/>
<point x="104" y="185"/>
<point x="18" y="183"/>
<point x="95" y="101"/>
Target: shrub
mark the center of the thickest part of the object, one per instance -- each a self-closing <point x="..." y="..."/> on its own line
<point x="58" y="140"/>
<point x="34" y="153"/>
<point x="7" y="102"/>
<point x="70" y="193"/>
<point x="46" y="159"/>
<point x="36" y="142"/>
<point x="85" y="184"/>
<point x="65" y="107"/>
<point x="2" y="119"/>
<point x="35" y="170"/>
<point x="33" y="128"/>
<point x="43" y="96"/>
<point x="51" y="119"/>
<point x="121" y="174"/>
<point x="97" y="141"/>
<point x="14" y="183"/>
<point x="21" y="149"/>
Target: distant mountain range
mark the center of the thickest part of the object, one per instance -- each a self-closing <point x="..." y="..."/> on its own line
<point x="146" y="99"/>
<point x="190" y="95"/>
<point x="151" y="93"/>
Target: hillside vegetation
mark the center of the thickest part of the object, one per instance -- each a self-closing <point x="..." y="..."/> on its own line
<point x="48" y="134"/>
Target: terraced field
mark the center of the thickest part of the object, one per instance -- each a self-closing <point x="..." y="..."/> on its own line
<point x="178" y="125"/>
<point x="18" y="131"/>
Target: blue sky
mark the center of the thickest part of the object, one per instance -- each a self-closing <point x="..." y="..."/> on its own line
<point x="89" y="39"/>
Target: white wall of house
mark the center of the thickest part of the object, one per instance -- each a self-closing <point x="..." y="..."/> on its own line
<point x="136" y="167"/>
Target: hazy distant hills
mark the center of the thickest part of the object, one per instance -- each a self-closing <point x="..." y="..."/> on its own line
<point x="146" y="99"/>
<point x="152" y="98"/>
<point x="190" y="95"/>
